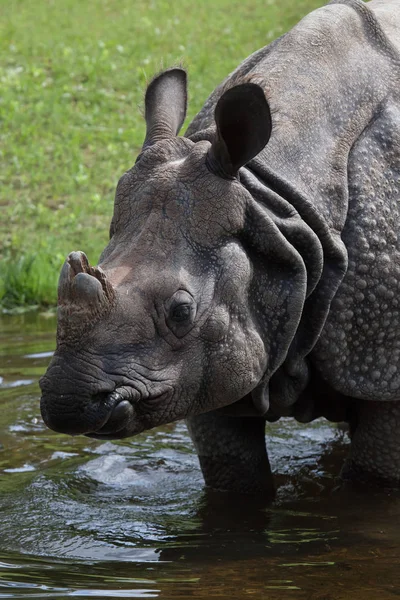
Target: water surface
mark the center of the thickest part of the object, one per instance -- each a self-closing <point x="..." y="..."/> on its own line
<point x="131" y="519"/>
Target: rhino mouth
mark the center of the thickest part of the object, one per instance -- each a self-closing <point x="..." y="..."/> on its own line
<point x="128" y="413"/>
<point x="115" y="414"/>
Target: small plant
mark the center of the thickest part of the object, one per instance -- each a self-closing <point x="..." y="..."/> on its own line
<point x="28" y="280"/>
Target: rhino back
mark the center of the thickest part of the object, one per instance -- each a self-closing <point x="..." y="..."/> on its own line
<point x="324" y="80"/>
<point x="385" y="12"/>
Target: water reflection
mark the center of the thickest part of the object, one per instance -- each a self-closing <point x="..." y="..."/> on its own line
<point x="130" y="519"/>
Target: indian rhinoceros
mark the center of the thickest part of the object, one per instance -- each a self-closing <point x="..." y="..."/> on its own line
<point x="253" y="267"/>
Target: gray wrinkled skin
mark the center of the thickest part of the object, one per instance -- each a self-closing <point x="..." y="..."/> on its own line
<point x="253" y="269"/>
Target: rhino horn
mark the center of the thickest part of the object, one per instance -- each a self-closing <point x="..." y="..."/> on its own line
<point x="165" y="105"/>
<point x="83" y="286"/>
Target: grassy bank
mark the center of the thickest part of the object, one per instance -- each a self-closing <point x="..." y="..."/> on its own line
<point x="72" y="78"/>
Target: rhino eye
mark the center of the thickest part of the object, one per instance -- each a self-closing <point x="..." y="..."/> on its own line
<point x="180" y="312"/>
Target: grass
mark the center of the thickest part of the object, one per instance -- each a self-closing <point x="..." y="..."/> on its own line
<point x="72" y="76"/>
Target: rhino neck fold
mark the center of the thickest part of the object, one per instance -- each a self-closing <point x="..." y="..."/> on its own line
<point x="325" y="259"/>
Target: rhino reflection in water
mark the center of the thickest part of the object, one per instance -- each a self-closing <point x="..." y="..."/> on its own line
<point x="253" y="269"/>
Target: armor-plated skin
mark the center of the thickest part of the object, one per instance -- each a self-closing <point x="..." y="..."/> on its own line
<point x="253" y="269"/>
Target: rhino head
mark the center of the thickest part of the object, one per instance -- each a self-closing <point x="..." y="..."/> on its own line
<point x="191" y="307"/>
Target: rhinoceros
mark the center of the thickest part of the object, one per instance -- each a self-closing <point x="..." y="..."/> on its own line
<point x="253" y="267"/>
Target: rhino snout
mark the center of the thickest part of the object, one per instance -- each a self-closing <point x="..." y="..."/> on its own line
<point x="106" y="413"/>
<point x="73" y="415"/>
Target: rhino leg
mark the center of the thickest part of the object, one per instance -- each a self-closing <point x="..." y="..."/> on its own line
<point x="232" y="452"/>
<point x="375" y="447"/>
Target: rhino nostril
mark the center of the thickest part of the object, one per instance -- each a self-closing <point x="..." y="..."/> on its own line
<point x="101" y="397"/>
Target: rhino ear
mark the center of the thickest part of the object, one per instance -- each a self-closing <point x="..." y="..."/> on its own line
<point x="243" y="120"/>
<point x="165" y="105"/>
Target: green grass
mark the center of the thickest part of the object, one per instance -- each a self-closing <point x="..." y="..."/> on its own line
<point x="72" y="76"/>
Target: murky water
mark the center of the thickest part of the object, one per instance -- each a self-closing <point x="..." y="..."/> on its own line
<point x="130" y="519"/>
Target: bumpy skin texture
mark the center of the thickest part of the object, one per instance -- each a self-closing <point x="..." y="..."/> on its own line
<point x="236" y="460"/>
<point x="375" y="449"/>
<point x="254" y="264"/>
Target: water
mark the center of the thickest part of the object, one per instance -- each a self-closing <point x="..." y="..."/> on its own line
<point x="86" y="519"/>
